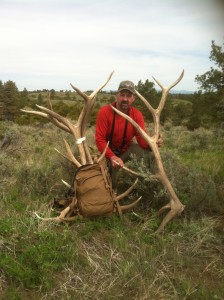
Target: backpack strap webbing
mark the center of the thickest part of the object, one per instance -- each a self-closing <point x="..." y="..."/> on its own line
<point x="108" y="184"/>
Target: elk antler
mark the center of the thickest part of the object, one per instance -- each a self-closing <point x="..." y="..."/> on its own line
<point x="175" y="206"/>
<point x="84" y="116"/>
<point x="78" y="130"/>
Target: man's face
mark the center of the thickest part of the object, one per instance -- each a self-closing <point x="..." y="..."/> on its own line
<point x="124" y="100"/>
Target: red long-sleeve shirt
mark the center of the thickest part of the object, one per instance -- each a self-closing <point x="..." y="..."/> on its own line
<point x="104" y="127"/>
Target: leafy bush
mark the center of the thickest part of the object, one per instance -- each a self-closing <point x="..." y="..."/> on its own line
<point x="194" y="168"/>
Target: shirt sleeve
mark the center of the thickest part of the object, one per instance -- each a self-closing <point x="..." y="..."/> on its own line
<point x="102" y="124"/>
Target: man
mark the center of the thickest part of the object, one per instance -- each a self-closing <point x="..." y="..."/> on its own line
<point x="120" y="133"/>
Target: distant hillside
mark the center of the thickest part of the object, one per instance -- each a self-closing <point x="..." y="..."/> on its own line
<point x="181" y="92"/>
<point x="171" y="92"/>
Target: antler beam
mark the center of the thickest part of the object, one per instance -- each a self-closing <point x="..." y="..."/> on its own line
<point x="175" y="206"/>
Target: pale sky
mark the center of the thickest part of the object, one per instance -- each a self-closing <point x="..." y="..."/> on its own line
<point x="46" y="44"/>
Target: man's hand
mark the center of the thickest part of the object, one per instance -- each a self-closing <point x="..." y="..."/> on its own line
<point x="116" y="162"/>
<point x="159" y="141"/>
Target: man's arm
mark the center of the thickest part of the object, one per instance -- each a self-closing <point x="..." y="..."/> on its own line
<point x="102" y="123"/>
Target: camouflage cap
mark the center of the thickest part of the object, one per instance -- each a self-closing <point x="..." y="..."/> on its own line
<point x="126" y="85"/>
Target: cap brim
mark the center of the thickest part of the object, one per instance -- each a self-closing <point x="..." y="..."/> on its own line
<point x="126" y="89"/>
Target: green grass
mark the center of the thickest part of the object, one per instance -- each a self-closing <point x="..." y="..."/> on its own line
<point x="104" y="259"/>
<point x="107" y="258"/>
<point x="210" y="161"/>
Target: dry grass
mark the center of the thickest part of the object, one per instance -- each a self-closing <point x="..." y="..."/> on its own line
<point x="109" y="258"/>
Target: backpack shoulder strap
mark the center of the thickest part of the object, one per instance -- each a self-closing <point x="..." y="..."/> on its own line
<point x="107" y="179"/>
<point x="112" y="130"/>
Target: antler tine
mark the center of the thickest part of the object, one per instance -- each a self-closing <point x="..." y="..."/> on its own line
<point x="38" y="113"/>
<point x="49" y="101"/>
<point x="66" y="184"/>
<point x="58" y="218"/>
<point x="65" y="125"/>
<point x="147" y="104"/>
<point x="103" y="153"/>
<point x="71" y="157"/>
<point x="63" y="215"/>
<point x="56" y="116"/>
<point x="89" y="101"/>
<point x="47" y="116"/>
<point x="129" y="206"/>
<point x="165" y="91"/>
<point x="129" y="170"/>
<point x="102" y="86"/>
<point x="74" y="130"/>
<point x="83" y="95"/>
<point x="132" y="172"/>
<point x="53" y="120"/>
<point x="121" y="196"/>
<point x="173" y="84"/>
<point x="172" y="213"/>
<point x="156" y="112"/>
<point x="124" y="167"/>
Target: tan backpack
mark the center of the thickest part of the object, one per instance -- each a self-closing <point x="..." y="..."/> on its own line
<point x="94" y="193"/>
